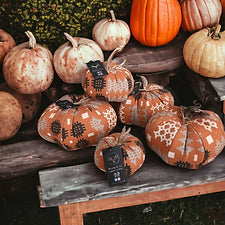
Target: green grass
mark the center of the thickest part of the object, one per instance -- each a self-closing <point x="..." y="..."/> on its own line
<point x="24" y="209"/>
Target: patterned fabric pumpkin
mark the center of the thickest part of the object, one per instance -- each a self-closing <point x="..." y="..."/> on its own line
<point x="186" y="137"/>
<point x="76" y="122"/>
<point x="133" y="150"/>
<point x="113" y="87"/>
<point x="140" y="106"/>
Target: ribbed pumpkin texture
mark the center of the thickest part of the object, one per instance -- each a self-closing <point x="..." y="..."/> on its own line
<point x="155" y="22"/>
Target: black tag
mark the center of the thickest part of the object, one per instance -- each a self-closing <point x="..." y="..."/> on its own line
<point x="97" y="68"/>
<point x="136" y="88"/>
<point x="114" y="165"/>
<point x="64" y="104"/>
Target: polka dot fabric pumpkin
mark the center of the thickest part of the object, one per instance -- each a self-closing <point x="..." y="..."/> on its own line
<point x="132" y="150"/>
<point x="76" y="122"/>
<point x="140" y="106"/>
<point x="186" y="137"/>
<point x="114" y="87"/>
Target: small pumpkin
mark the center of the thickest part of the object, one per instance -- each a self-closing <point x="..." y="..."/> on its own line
<point x="204" y="51"/>
<point x="186" y="137"/>
<point x="198" y="14"/>
<point x="76" y="121"/>
<point x="28" y="67"/>
<point x="30" y="104"/>
<point x="114" y="86"/>
<point x="10" y="115"/>
<point x="141" y="105"/>
<point x="71" y="57"/>
<point x="133" y="150"/>
<point x="155" y="22"/>
<point x="6" y="43"/>
<point x="111" y="33"/>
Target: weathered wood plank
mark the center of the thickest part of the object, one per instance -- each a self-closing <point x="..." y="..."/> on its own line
<point x="85" y="182"/>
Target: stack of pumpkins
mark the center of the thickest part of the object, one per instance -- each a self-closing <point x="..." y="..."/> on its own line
<point x="182" y="136"/>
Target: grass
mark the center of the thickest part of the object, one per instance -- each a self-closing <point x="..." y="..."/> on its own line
<point x="24" y="209"/>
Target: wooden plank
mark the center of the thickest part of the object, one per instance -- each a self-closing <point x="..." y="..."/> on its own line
<point x="85" y="182"/>
<point x="27" y="157"/>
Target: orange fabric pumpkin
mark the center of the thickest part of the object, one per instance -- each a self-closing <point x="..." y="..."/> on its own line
<point x="155" y="22"/>
<point x="76" y="122"/>
<point x="204" y="51"/>
<point x="186" y="136"/>
<point x="114" y="87"/>
<point x="140" y="106"/>
<point x="133" y="150"/>
<point x="198" y="14"/>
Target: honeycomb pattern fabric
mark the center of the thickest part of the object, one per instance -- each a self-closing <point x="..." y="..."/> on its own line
<point x="75" y="126"/>
<point x="114" y="87"/>
<point x="189" y="143"/>
<point x="133" y="152"/>
<point x="139" y="107"/>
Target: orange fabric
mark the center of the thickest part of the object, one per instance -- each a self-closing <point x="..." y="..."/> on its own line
<point x="78" y="126"/>
<point x="114" y="87"/>
<point x="132" y="148"/>
<point x="191" y="143"/>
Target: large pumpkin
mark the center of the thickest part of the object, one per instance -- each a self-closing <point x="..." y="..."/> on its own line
<point x="28" y="67"/>
<point x="133" y="150"/>
<point x="140" y="106"/>
<point x="71" y="57"/>
<point x="76" y="122"/>
<point x="198" y="14"/>
<point x="155" y="22"/>
<point x="113" y="87"/>
<point x="6" y="43"/>
<point x="204" y="52"/>
<point x="186" y="136"/>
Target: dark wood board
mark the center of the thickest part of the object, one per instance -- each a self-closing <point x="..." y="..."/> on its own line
<point x="86" y="182"/>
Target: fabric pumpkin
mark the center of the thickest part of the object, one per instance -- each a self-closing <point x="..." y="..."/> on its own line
<point x="133" y="150"/>
<point x="186" y="137"/>
<point x="155" y="22"/>
<point x="113" y="87"/>
<point x="198" y="14"/>
<point x="76" y="121"/>
<point x="140" y="106"/>
<point x="204" y="52"/>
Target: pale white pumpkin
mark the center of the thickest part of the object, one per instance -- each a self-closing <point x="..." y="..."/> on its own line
<point x="28" y="67"/>
<point x="71" y="58"/>
<point x="111" y="33"/>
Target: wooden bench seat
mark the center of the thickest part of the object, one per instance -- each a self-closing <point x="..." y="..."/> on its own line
<point x="81" y="189"/>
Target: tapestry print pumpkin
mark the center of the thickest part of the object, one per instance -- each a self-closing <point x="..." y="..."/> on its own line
<point x="132" y="149"/>
<point x="186" y="137"/>
<point x="140" y="106"/>
<point x="113" y="87"/>
<point x="76" y="121"/>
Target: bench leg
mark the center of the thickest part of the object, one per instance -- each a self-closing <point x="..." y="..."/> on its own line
<point x="71" y="214"/>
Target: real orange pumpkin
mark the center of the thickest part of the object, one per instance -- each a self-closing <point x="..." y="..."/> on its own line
<point x="155" y="22"/>
<point x="186" y="137"/>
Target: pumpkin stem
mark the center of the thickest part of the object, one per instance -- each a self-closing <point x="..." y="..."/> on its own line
<point x="215" y="32"/>
<point x="73" y="41"/>
<point x="118" y="49"/>
<point x="32" y="40"/>
<point x="144" y="83"/>
<point x="113" y="18"/>
<point x="123" y="135"/>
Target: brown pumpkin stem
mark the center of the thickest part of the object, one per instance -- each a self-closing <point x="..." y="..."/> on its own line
<point x="115" y="51"/>
<point x="215" y="32"/>
<point x="73" y="41"/>
<point x="113" y="18"/>
<point x="123" y="135"/>
<point x="82" y="101"/>
<point x="32" y="40"/>
<point x="144" y="83"/>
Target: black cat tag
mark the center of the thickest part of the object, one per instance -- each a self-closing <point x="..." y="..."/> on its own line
<point x="114" y="165"/>
<point x="97" y="68"/>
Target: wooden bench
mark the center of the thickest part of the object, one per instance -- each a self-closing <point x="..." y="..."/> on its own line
<point x="81" y="189"/>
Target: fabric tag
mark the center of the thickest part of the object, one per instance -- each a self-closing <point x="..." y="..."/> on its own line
<point x="97" y="68"/>
<point x="114" y="165"/>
